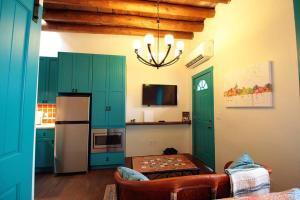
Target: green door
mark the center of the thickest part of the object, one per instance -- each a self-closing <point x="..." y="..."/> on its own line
<point x="65" y="72"/>
<point x="116" y="94"/>
<point x="297" y="23"/>
<point x="52" y="80"/>
<point x="83" y="73"/>
<point x="203" y="117"/>
<point x="43" y="80"/>
<point x="19" y="51"/>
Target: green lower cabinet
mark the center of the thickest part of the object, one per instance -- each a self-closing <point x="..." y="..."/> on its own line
<point x="44" y="150"/>
<point x="106" y="160"/>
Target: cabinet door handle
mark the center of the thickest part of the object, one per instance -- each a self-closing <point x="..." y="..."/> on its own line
<point x="107" y="159"/>
<point x="109" y="108"/>
<point x="76" y="90"/>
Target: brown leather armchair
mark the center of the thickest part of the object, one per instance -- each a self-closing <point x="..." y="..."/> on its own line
<point x="194" y="187"/>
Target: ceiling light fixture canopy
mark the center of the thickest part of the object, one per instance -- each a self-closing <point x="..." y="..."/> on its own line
<point x="160" y="58"/>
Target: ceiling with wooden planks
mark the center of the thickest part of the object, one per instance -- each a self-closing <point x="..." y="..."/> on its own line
<point x="128" y="17"/>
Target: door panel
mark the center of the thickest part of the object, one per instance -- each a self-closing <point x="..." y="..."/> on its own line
<point x="83" y="73"/>
<point x="18" y="74"/>
<point x="116" y="73"/>
<point x="100" y="73"/>
<point x="203" y="108"/>
<point x="43" y="80"/>
<point x="44" y="153"/>
<point x="52" y="80"/>
<point x="99" y="113"/>
<point x="65" y="72"/>
<point x="117" y="109"/>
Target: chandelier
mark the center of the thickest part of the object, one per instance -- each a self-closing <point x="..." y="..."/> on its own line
<point x="160" y="58"/>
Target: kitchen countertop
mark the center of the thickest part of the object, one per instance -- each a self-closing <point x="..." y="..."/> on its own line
<point x="45" y="126"/>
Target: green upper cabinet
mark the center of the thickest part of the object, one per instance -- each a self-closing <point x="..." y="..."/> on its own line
<point x="75" y="72"/>
<point x="83" y="73"/>
<point x="108" y="91"/>
<point x="47" y="83"/>
<point x="65" y="72"/>
<point x="43" y="80"/>
<point x="52" y="80"/>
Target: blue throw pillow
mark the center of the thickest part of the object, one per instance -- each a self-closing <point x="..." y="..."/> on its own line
<point x="245" y="161"/>
<point x="131" y="175"/>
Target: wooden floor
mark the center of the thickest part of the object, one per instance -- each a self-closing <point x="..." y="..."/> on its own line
<point x="90" y="186"/>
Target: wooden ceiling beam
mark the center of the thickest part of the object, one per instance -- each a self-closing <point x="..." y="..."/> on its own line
<point x="79" y="28"/>
<point x="141" y="8"/>
<point x="205" y="3"/>
<point x="91" y="18"/>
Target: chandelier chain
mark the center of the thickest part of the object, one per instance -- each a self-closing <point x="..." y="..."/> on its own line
<point x="158" y="31"/>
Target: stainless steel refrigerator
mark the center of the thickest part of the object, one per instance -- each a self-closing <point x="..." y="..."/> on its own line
<point x="72" y="128"/>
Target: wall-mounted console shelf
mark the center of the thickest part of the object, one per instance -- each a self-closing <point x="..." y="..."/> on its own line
<point x="157" y="123"/>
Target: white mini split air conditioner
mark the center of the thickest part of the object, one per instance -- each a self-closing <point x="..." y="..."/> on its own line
<point x="201" y="54"/>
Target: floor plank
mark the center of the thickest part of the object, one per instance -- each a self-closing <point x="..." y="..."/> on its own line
<point x="90" y="186"/>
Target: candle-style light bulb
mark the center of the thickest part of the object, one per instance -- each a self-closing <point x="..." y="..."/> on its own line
<point x="137" y="45"/>
<point x="149" y="39"/>
<point x="169" y="39"/>
<point x="180" y="45"/>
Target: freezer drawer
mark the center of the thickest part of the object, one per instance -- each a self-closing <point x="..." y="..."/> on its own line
<point x="71" y="148"/>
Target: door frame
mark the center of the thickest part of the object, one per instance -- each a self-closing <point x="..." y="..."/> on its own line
<point x="297" y="27"/>
<point x="203" y="72"/>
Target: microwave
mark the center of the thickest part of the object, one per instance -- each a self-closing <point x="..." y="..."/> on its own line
<point x="107" y="140"/>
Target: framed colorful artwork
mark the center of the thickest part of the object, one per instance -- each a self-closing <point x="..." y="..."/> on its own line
<point x="249" y="87"/>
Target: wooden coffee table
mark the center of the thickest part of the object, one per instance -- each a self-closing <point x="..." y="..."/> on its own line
<point x="160" y="166"/>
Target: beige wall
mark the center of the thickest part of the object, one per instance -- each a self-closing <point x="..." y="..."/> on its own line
<point x="250" y="32"/>
<point x="141" y="140"/>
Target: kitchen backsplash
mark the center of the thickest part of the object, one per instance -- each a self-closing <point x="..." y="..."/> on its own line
<point x="49" y="113"/>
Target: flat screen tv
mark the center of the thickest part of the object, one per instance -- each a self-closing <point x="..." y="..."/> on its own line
<point x="159" y="95"/>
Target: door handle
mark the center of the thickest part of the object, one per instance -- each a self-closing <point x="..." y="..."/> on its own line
<point x="107" y="108"/>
